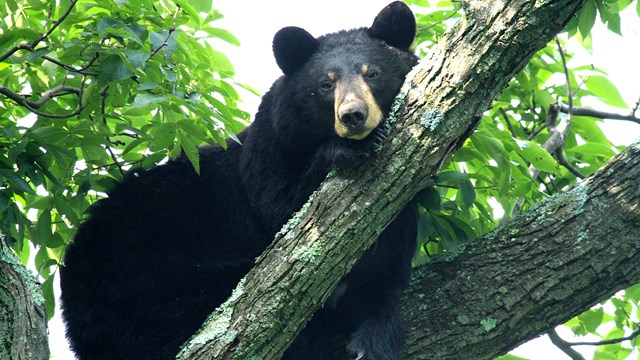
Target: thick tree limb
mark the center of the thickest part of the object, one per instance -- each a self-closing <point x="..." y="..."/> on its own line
<point x="541" y="269"/>
<point x="443" y="99"/>
<point x="23" y="319"/>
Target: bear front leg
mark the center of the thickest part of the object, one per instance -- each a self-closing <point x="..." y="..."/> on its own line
<point x="380" y="337"/>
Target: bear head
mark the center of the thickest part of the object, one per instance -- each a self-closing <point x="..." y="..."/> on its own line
<point x="340" y="86"/>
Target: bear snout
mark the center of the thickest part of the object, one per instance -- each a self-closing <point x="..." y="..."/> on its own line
<point x="353" y="114"/>
<point x="356" y="110"/>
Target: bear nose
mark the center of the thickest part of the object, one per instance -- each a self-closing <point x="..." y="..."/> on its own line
<point x="353" y="114"/>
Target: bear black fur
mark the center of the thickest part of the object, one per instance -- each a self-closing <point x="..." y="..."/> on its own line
<point x="168" y="246"/>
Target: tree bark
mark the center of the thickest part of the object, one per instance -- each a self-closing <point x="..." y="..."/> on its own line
<point x="541" y="269"/>
<point x="23" y="318"/>
<point x="440" y="104"/>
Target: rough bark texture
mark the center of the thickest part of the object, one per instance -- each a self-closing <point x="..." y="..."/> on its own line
<point x="539" y="270"/>
<point x="23" y="318"/>
<point x="442" y="100"/>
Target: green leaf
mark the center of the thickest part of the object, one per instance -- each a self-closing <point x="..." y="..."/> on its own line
<point x="54" y="241"/>
<point x="467" y="192"/>
<point x="113" y="69"/>
<point x="605" y="90"/>
<point x="136" y="58"/>
<point x="66" y="209"/>
<point x="538" y="156"/>
<point x="202" y="5"/>
<point x="165" y="40"/>
<point x="17" y="181"/>
<point x="49" y="297"/>
<point x="146" y="100"/>
<point x="191" y="150"/>
<point x="452" y="177"/>
<point x="614" y="24"/>
<point x="117" y="28"/>
<point x="587" y="17"/>
<point x="593" y="149"/>
<point x="543" y="98"/>
<point x="425" y="226"/>
<point x="43" y="226"/>
<point x="147" y="85"/>
<point x="163" y="135"/>
<point x="223" y="35"/>
<point x="446" y="232"/>
<point x="510" y="357"/>
<point x="638" y="8"/>
<point x="633" y="293"/>
<point x="592" y="319"/>
<point x="430" y="199"/>
<point x="221" y="63"/>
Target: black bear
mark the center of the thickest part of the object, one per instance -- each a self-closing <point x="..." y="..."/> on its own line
<point x="168" y="245"/>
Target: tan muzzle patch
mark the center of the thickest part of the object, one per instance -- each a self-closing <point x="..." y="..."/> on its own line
<point x="356" y="110"/>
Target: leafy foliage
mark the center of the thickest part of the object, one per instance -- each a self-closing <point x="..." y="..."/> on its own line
<point x="106" y="86"/>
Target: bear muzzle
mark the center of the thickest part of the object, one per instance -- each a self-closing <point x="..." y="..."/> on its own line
<point x="353" y="114"/>
<point x="356" y="111"/>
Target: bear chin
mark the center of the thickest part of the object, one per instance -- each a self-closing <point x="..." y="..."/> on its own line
<point x="347" y="153"/>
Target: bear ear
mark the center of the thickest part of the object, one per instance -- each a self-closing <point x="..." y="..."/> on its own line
<point x="292" y="47"/>
<point x="395" y="25"/>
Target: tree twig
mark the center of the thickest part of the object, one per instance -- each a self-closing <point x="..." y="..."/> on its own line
<point x="69" y="68"/>
<point x="569" y="112"/>
<point x="166" y="40"/>
<point x="564" y="162"/>
<point x="631" y="336"/>
<point x="583" y="111"/>
<point x="506" y="119"/>
<point x="53" y="92"/>
<point x="564" y="345"/>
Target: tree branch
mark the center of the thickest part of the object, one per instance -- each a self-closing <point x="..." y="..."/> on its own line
<point x="569" y="112"/>
<point x="631" y="336"/>
<point x="583" y="111"/>
<point x="166" y="40"/>
<point x="53" y="92"/>
<point x="564" y="345"/>
<point x="546" y="266"/>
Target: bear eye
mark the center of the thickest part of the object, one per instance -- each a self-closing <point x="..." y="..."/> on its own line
<point x="326" y="85"/>
<point x="372" y="74"/>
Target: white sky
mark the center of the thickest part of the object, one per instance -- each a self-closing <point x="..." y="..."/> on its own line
<point x="255" y="22"/>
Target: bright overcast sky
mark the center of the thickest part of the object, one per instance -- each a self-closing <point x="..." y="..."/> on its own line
<point x="255" y="22"/>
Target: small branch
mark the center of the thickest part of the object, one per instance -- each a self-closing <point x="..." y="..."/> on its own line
<point x="54" y="92"/>
<point x="564" y="162"/>
<point x="115" y="161"/>
<point x="55" y="24"/>
<point x="59" y="90"/>
<point x="569" y="112"/>
<point x="535" y="132"/>
<point x="632" y="336"/>
<point x="13" y="50"/>
<point x="455" y="10"/>
<point x="166" y="40"/>
<point x="564" y="345"/>
<point x="506" y="119"/>
<point x="103" y="107"/>
<point x="71" y="68"/>
<point x="583" y="111"/>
